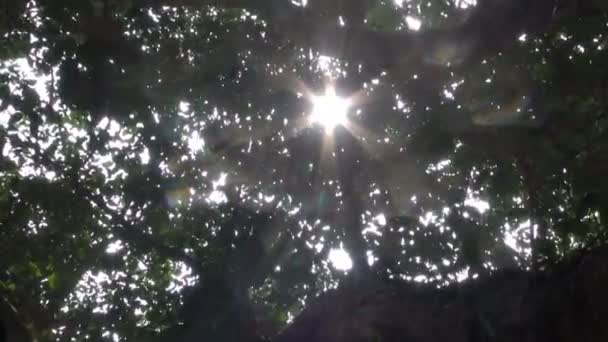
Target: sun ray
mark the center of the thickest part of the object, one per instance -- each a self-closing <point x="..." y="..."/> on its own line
<point x="329" y="110"/>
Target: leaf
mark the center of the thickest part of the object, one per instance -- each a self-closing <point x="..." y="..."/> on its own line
<point x="53" y="280"/>
<point x="384" y="17"/>
<point x="34" y="269"/>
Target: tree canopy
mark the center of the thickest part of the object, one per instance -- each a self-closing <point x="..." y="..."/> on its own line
<point x="201" y="169"/>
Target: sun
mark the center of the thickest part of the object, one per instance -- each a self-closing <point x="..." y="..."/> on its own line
<point x="329" y="110"/>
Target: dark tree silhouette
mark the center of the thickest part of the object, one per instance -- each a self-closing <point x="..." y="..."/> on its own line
<point x="348" y="170"/>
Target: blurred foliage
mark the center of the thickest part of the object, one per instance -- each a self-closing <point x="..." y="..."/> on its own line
<point x="159" y="178"/>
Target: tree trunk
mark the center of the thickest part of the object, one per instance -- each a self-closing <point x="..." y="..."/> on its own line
<point x="569" y="302"/>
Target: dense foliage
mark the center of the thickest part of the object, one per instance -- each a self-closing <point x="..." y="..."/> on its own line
<point x="160" y="174"/>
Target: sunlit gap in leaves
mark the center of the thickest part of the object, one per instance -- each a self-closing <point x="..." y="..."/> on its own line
<point x="98" y="288"/>
<point x="39" y="82"/>
<point x="517" y="237"/>
<point x="329" y="110"/>
<point x="340" y="259"/>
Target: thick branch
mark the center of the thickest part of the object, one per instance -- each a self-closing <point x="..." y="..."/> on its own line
<point x="563" y="304"/>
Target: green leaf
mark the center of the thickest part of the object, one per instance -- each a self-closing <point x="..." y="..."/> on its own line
<point x="53" y="281"/>
<point x="34" y="269"/>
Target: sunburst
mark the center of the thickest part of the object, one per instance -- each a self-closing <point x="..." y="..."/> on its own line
<point x="330" y="110"/>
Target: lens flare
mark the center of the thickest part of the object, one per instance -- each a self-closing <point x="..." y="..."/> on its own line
<point x="329" y="110"/>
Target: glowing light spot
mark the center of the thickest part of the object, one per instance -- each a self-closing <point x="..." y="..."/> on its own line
<point x="464" y="4"/>
<point x="340" y="259"/>
<point x="196" y="143"/>
<point x="330" y="110"/>
<point x="144" y="156"/>
<point x="114" y="247"/>
<point x="221" y="181"/>
<point x="324" y="63"/>
<point x="184" y="106"/>
<point x="217" y="197"/>
<point x="479" y="204"/>
<point x="381" y="219"/>
<point x="413" y="23"/>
